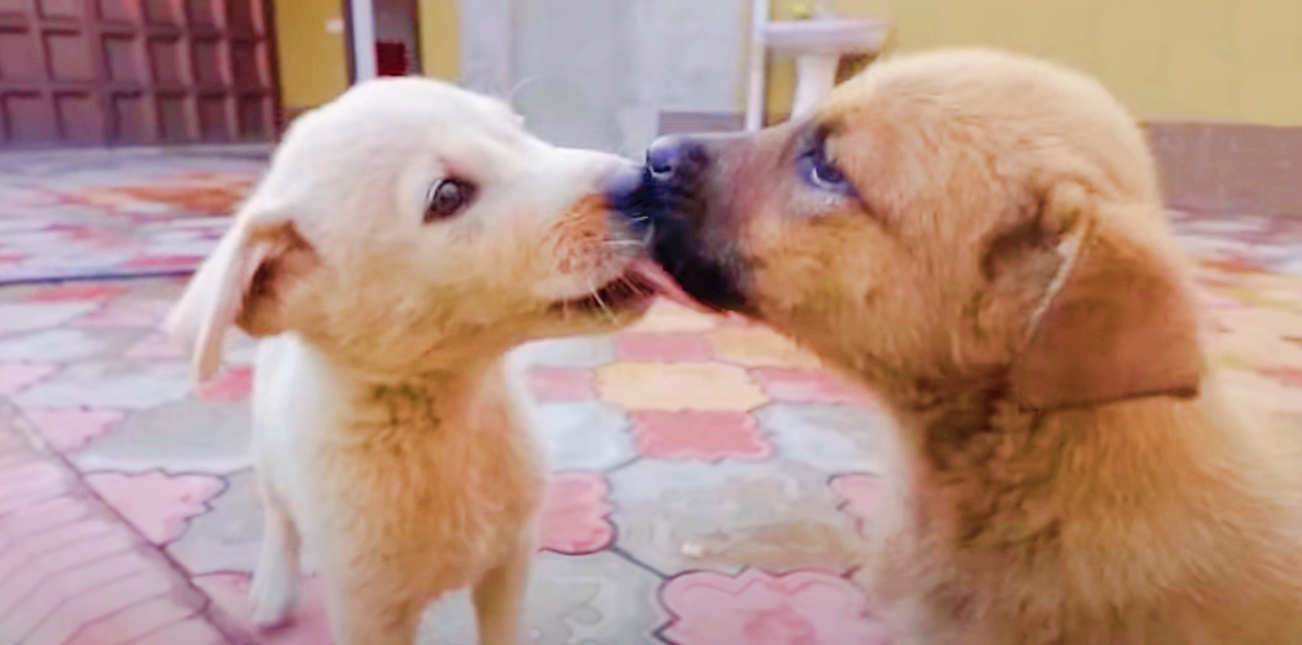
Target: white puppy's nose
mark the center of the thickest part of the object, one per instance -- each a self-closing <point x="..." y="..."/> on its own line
<point x="622" y="184"/>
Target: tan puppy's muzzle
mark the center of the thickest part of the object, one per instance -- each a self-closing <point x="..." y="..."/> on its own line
<point x="674" y="204"/>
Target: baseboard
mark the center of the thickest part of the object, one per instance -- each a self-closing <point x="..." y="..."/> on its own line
<point x="1230" y="167"/>
<point x="697" y="122"/>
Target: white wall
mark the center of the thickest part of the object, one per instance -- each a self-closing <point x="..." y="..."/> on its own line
<point x="598" y="73"/>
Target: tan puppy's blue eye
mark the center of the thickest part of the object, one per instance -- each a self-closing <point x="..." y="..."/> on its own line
<point x="447" y="198"/>
<point x="820" y="172"/>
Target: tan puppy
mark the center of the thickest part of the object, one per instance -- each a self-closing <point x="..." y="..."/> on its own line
<point x="979" y="238"/>
<point x="406" y="237"/>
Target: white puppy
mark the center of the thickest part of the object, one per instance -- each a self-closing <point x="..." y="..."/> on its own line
<point x="407" y="236"/>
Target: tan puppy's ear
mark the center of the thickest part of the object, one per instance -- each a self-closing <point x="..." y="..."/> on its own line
<point x="241" y="282"/>
<point x="1117" y="322"/>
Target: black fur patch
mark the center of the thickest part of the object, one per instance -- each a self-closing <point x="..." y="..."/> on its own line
<point x="675" y="215"/>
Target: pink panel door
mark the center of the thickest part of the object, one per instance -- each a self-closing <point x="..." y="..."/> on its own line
<point x="130" y="72"/>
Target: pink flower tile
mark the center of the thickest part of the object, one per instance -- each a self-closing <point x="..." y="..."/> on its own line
<point x="23" y="620"/>
<point x="16" y="377"/>
<point x="1287" y="375"/>
<point x="68" y="429"/>
<point x="128" y="314"/>
<point x="230" y="592"/>
<point x="101" y="239"/>
<point x="699" y="435"/>
<point x="132" y="623"/>
<point x="859" y="495"/>
<point x="555" y="384"/>
<point x="159" y="505"/>
<point x="32" y="316"/>
<point x="664" y="348"/>
<point x="46" y="516"/>
<point x="77" y="291"/>
<point x="28" y="475"/>
<point x="155" y="347"/>
<point x="128" y="386"/>
<point x="165" y="262"/>
<point x="757" y="608"/>
<point x="91" y="529"/>
<point x="804" y="386"/>
<point x="116" y="567"/>
<point x="575" y="514"/>
<point x="38" y="481"/>
<point x="99" y="603"/>
<point x="1233" y="264"/>
<point x="233" y="384"/>
<point x="85" y="552"/>
<point x="194" y="631"/>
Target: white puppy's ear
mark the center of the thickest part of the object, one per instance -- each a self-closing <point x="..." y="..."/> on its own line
<point x="242" y="283"/>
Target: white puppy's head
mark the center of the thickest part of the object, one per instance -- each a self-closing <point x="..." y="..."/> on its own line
<point x="409" y="222"/>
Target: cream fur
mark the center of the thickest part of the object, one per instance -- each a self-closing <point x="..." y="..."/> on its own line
<point x="388" y="438"/>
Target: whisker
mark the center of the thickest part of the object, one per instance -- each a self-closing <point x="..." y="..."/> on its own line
<point x="596" y="295"/>
<point x="623" y="243"/>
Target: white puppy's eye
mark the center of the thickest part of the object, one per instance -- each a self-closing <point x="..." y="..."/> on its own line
<point x="447" y="198"/>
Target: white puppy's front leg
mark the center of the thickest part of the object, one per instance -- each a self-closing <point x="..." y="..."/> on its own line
<point x="499" y="598"/>
<point x="274" y="591"/>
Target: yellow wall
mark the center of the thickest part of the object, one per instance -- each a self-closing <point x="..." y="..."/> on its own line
<point x="439" y="46"/>
<point x="1234" y="60"/>
<point x="313" y="61"/>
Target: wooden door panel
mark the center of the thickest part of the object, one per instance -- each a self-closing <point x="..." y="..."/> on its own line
<point x="88" y="72"/>
<point x="117" y="11"/>
<point x="13" y="8"/>
<point x="20" y="58"/>
<point x="123" y="60"/>
<point x="60" y="8"/>
<point x="28" y="118"/>
<point x="129" y="119"/>
<point x="81" y="118"/>
<point x="69" y="57"/>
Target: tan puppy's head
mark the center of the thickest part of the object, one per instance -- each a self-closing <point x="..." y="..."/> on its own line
<point x="964" y="218"/>
<point x="410" y="222"/>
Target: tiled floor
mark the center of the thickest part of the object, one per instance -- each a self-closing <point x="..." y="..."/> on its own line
<point x="79" y="214"/>
<point x="708" y="478"/>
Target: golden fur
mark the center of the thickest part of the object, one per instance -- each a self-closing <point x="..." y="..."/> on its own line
<point x="387" y="437"/>
<point x="1000" y="272"/>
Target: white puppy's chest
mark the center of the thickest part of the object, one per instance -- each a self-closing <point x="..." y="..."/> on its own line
<point x="408" y="487"/>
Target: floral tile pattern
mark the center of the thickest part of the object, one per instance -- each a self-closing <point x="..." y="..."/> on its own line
<point x="758" y="607"/>
<point x="114" y="213"/>
<point x="709" y="483"/>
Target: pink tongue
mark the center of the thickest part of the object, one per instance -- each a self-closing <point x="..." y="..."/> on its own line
<point x="665" y="285"/>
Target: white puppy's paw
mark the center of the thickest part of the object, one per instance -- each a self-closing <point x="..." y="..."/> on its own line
<point x="273" y="596"/>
